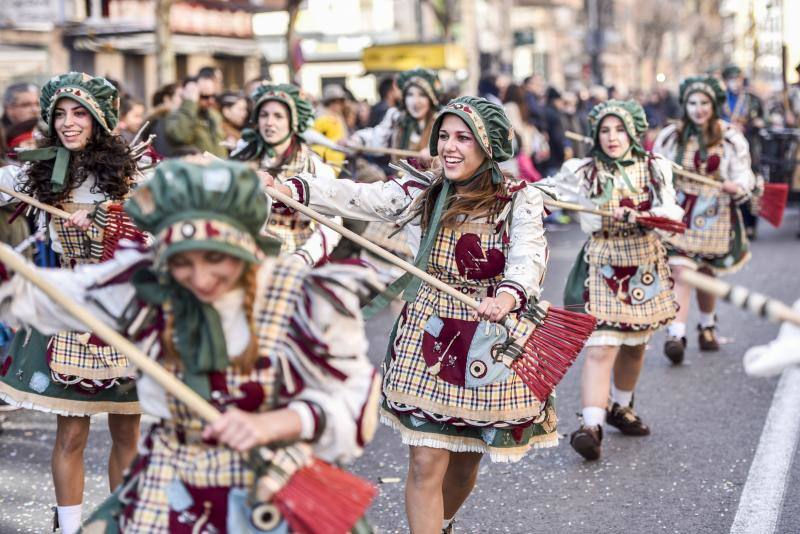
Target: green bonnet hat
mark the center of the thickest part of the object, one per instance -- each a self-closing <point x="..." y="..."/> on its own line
<point x="488" y="123"/>
<point x="300" y="115"/>
<point x="708" y="85"/>
<point x="95" y="93"/>
<point x="188" y="206"/>
<point x="425" y="79"/>
<point x="629" y="112"/>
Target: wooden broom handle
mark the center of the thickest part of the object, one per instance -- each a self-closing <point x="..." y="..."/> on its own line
<point x="399" y="152"/>
<point x="164" y="378"/>
<point x="742" y="297"/>
<point x="677" y="168"/>
<point x="575" y="207"/>
<point x="52" y="210"/>
<point x="372" y="247"/>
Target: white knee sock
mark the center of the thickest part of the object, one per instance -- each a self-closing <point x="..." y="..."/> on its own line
<point x="620" y="396"/>
<point x="69" y="518"/>
<point x="676" y="329"/>
<point x="707" y="319"/>
<point x="593" y="416"/>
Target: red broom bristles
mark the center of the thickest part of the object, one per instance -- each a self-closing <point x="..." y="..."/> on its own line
<point x="662" y="223"/>
<point x="118" y="227"/>
<point x="323" y="499"/>
<point x="773" y="203"/>
<point x="551" y="350"/>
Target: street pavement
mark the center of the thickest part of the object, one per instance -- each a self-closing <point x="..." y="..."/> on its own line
<point x="687" y="477"/>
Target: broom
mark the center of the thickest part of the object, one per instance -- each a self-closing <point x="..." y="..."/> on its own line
<point x="305" y="494"/>
<point x="773" y="202"/>
<point x="649" y="221"/>
<point x="540" y="358"/>
<point x="110" y="219"/>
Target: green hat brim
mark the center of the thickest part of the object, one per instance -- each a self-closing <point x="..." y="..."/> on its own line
<point x="433" y="143"/>
<point x="90" y="105"/>
<point x="205" y="245"/>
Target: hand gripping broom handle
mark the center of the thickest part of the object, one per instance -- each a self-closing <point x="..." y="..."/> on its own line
<point x="149" y="367"/>
<point x="742" y="297"/>
<point x="372" y="247"/>
<point x="27" y="199"/>
<point x="677" y="168"/>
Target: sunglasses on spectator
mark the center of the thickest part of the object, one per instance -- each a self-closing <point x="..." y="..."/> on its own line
<point x="208" y="97"/>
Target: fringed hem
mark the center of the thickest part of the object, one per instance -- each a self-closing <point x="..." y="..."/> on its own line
<point x="67" y="408"/>
<point x="414" y="438"/>
<point x="696" y="263"/>
<point x="608" y="338"/>
<point x="533" y="410"/>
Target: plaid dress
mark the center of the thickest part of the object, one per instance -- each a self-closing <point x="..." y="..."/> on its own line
<point x="70" y="373"/>
<point x="441" y="387"/>
<point x="621" y="276"/>
<point x="181" y="484"/>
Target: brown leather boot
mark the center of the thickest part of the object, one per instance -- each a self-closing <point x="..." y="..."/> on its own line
<point x="587" y="441"/>
<point x="707" y="338"/>
<point x="674" y="348"/>
<point x="624" y="419"/>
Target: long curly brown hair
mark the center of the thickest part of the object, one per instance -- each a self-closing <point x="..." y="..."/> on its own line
<point x="106" y="157"/>
<point x="482" y="197"/>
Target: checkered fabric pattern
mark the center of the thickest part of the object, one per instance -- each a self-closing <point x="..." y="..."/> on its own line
<point x="700" y="239"/>
<point x="408" y="379"/>
<point x="639" y="175"/>
<point x="80" y="247"/>
<point x="79" y="354"/>
<point x="194" y="464"/>
<point x="636" y="250"/>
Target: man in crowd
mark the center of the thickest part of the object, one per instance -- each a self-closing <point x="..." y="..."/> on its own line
<point x="196" y="125"/>
<point x="390" y="96"/>
<point x="20" y="114"/>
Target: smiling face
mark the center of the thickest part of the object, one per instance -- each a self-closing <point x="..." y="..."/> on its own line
<point x="273" y="121"/>
<point x="459" y="151"/>
<point x="73" y="124"/>
<point x="207" y="274"/>
<point x="614" y="140"/>
<point x="416" y="102"/>
<point x="699" y="108"/>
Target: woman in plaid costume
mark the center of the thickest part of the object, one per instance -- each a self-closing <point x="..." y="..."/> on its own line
<point x="277" y="346"/>
<point x="276" y="146"/>
<point x="82" y="168"/>
<point x="621" y="276"/>
<point x="715" y="241"/>
<point x="483" y="234"/>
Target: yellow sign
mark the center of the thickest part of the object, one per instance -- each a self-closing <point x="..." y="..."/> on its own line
<point x="383" y="58"/>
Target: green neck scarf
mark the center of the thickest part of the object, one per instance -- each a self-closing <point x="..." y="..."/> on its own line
<point x="198" y="333"/>
<point x="408" y="284"/>
<point x="259" y="146"/>
<point x="58" y="178"/>
<point x="688" y="131"/>
<point x="619" y="164"/>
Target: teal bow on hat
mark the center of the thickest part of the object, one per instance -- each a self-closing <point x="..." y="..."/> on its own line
<point x="61" y="154"/>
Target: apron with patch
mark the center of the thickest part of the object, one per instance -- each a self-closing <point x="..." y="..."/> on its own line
<point x="440" y="376"/>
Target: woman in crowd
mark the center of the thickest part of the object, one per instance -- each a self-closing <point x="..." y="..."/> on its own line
<point x="621" y="276"/>
<point x="449" y="400"/>
<point x="233" y="107"/>
<point x="281" y="115"/>
<point x="715" y="241"/>
<point x="83" y="168"/>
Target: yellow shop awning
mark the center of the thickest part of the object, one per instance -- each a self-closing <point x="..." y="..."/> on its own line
<point x="400" y="57"/>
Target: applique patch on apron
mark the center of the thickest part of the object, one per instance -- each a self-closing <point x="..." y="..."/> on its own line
<point x="632" y="285"/>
